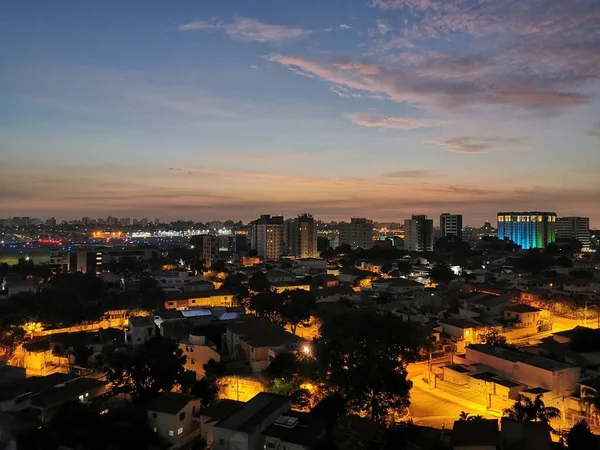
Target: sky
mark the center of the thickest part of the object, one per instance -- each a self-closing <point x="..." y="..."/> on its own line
<point x="210" y="110"/>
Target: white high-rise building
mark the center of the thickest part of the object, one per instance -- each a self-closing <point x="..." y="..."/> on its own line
<point x="266" y="236"/>
<point x="418" y="234"/>
<point x="357" y="234"/>
<point x="574" y="228"/>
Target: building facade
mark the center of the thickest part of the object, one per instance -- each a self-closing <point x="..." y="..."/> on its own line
<point x="357" y="234"/>
<point x="300" y="237"/>
<point x="266" y="236"/>
<point x="451" y="224"/>
<point x="206" y="246"/>
<point x="574" y="228"/>
<point x="529" y="229"/>
<point x="418" y="234"/>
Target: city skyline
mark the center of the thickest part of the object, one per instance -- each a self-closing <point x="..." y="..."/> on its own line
<point x="370" y="108"/>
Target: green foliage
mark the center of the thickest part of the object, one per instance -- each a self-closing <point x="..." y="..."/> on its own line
<point x="258" y="282"/>
<point x="441" y="273"/>
<point x="207" y="390"/>
<point x="331" y="408"/>
<point x="491" y="336"/>
<point x="364" y="355"/>
<point x="580" y="437"/>
<point x="82" y="353"/>
<point x="297" y="306"/>
<point x="527" y="410"/>
<point x="267" y="305"/>
<point x="585" y="340"/>
<point x="155" y="367"/>
<point x="285" y="365"/>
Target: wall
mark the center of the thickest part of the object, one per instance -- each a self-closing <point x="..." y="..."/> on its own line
<point x="239" y="388"/>
<point x="196" y="356"/>
<point x="168" y="422"/>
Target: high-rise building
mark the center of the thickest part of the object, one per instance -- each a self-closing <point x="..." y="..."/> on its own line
<point x="300" y="237"/>
<point x="418" y="234"/>
<point x="87" y="221"/>
<point x="125" y="221"/>
<point x="111" y="221"/>
<point x="266" y="236"/>
<point x="144" y="222"/>
<point x="357" y="234"/>
<point x="451" y="224"/>
<point x="574" y="228"/>
<point x="205" y="246"/>
<point x="51" y="222"/>
<point x="529" y="229"/>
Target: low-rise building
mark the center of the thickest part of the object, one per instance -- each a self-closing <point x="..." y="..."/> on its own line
<point x="479" y="434"/>
<point x="558" y="378"/>
<point x="140" y="330"/>
<point x="462" y="329"/>
<point x="397" y="286"/>
<point x="198" y="351"/>
<point x="258" y="342"/>
<point x="214" y="414"/>
<point x="334" y="294"/>
<point x="175" y="416"/>
<point x="283" y="286"/>
<point x="294" y="431"/>
<point x="199" y="299"/>
<point x="522" y="316"/>
<point x="243" y="429"/>
<point x="278" y="276"/>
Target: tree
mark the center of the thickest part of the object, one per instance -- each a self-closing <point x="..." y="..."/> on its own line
<point x="466" y="416"/>
<point x="330" y="408"/>
<point x="267" y="305"/>
<point x="491" y="336"/>
<point x="81" y="354"/>
<point x="441" y="273"/>
<point x="207" y="390"/>
<point x="527" y="410"/>
<point x="285" y="365"/>
<point x="580" y="437"/>
<point x="364" y="355"/>
<point x="258" y="282"/>
<point x="386" y="268"/>
<point x="404" y="267"/>
<point x="564" y="261"/>
<point x="155" y="367"/>
<point x="219" y="266"/>
<point x="296" y="308"/>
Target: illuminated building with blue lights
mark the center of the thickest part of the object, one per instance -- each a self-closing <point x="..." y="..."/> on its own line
<point x="530" y="229"/>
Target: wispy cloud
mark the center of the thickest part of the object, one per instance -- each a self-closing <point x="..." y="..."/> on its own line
<point x="473" y="145"/>
<point x="248" y="30"/>
<point x="407" y="174"/>
<point x="345" y="26"/>
<point x="395" y="122"/>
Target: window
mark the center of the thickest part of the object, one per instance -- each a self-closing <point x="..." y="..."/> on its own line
<point x="193" y="361"/>
<point x="180" y="430"/>
<point x="191" y="350"/>
<point x="154" y="415"/>
<point x="154" y="429"/>
<point x="171" y="433"/>
<point x="150" y="330"/>
<point x="182" y="415"/>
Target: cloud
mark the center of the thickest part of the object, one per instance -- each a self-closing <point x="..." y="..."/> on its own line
<point x="249" y="30"/>
<point x="436" y="88"/>
<point x="398" y="123"/>
<point x="345" y="26"/>
<point x="383" y="28"/>
<point x="473" y="145"/>
<point x="407" y="174"/>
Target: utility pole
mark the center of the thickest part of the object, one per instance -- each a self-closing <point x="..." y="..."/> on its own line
<point x="429" y="373"/>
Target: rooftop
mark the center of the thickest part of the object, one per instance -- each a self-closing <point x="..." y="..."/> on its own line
<point x="221" y="409"/>
<point x="63" y="392"/>
<point x="170" y="402"/>
<point x="460" y="323"/>
<point x="513" y="355"/>
<point x="307" y="430"/>
<point x="475" y="433"/>
<point x="143" y="321"/>
<point x="173" y="296"/>
<point x="522" y="308"/>
<point x="32" y="385"/>
<point x="68" y="340"/>
<point x="252" y="414"/>
<point x="262" y="333"/>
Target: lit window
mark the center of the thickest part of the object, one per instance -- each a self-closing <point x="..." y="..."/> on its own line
<point x="180" y="430"/>
<point x="81" y="398"/>
<point x="171" y="433"/>
<point x="155" y="429"/>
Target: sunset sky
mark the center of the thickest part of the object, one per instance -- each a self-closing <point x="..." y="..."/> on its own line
<point x="217" y="109"/>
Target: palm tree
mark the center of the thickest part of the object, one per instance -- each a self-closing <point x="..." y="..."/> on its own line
<point x="527" y="410"/>
<point x="592" y="404"/>
<point x="466" y="416"/>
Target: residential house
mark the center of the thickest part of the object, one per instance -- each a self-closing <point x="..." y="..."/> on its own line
<point x="282" y="286"/>
<point x="523" y="316"/>
<point x="334" y="294"/>
<point x="258" y="342"/>
<point x="516" y="435"/>
<point x="325" y="280"/>
<point x="140" y="330"/>
<point x="555" y="377"/>
<point x="349" y="274"/>
<point x="213" y="414"/>
<point x="462" y="329"/>
<point x="198" y="351"/>
<point x="489" y="304"/>
<point x="397" y="286"/>
<point x="294" y="431"/>
<point x="175" y="416"/>
<point x="480" y="434"/>
<point x="278" y="276"/>
<point x="199" y="299"/>
<point x="243" y="429"/>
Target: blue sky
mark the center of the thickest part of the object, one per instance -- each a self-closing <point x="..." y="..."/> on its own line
<point x="229" y="109"/>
